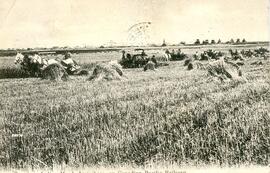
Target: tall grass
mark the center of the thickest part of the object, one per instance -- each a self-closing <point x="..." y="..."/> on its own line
<point x="170" y="115"/>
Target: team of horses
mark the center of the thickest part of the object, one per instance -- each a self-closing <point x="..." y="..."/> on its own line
<point x="35" y="64"/>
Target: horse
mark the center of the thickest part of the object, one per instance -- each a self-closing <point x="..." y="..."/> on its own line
<point x="33" y="64"/>
<point x="27" y="64"/>
<point x="19" y="58"/>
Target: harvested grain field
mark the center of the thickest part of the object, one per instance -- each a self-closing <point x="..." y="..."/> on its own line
<point x="171" y="115"/>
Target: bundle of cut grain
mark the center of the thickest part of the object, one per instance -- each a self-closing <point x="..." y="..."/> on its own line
<point x="224" y="70"/>
<point x="187" y="61"/>
<point x="149" y="66"/>
<point x="117" y="67"/>
<point x="54" y="72"/>
<point x="190" y="66"/>
<point x="109" y="71"/>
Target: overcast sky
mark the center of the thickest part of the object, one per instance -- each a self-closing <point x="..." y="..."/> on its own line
<point x="33" y="23"/>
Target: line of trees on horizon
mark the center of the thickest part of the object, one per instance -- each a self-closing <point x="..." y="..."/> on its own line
<point x="164" y="44"/>
<point x="205" y="42"/>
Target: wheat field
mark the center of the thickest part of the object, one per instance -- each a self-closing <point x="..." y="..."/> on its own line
<point x="169" y="116"/>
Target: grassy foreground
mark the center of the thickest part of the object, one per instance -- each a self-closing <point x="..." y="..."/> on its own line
<point x="153" y="169"/>
<point x="171" y="115"/>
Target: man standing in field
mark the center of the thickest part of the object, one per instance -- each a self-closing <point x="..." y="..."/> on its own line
<point x="69" y="64"/>
<point x="196" y="56"/>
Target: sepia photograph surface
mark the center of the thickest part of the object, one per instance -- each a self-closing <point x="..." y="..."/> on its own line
<point x="134" y="86"/>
